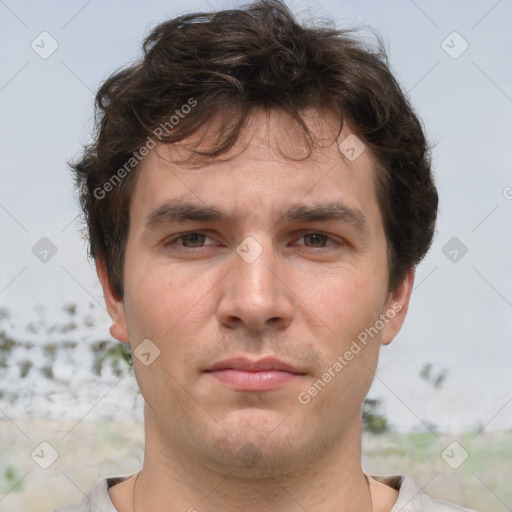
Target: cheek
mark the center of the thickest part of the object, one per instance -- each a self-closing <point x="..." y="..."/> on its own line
<point x="345" y="302"/>
<point x="157" y="298"/>
<point x="172" y="310"/>
<point x="156" y="307"/>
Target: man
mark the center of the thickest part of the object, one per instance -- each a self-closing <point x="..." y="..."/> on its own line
<point x="257" y="197"/>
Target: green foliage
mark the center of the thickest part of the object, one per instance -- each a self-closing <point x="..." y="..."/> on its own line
<point x="47" y="371"/>
<point x="11" y="480"/>
<point x="6" y="346"/>
<point x="25" y="367"/>
<point x="115" y="354"/>
<point x="50" y="350"/>
<point x="372" y="421"/>
<point x="70" y="309"/>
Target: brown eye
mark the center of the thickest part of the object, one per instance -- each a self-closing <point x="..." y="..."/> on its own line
<point x="192" y="240"/>
<point x="189" y="240"/>
<point x="316" y="239"/>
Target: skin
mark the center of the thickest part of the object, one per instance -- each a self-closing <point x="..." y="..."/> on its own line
<point x="303" y="300"/>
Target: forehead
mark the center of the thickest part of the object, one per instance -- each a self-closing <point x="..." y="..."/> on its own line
<point x="268" y="166"/>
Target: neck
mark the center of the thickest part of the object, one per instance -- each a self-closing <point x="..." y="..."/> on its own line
<point x="333" y="482"/>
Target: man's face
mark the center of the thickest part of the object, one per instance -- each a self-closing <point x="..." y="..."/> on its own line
<point x="295" y="270"/>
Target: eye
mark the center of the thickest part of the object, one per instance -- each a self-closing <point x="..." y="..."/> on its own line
<point x="316" y="240"/>
<point x="191" y="240"/>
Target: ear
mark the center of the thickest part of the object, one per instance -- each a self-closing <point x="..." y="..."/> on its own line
<point x="396" y="307"/>
<point x="115" y="305"/>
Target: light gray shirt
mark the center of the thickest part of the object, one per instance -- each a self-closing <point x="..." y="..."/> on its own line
<point x="410" y="497"/>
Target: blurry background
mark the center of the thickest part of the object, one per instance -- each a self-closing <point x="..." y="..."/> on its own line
<point x="441" y="405"/>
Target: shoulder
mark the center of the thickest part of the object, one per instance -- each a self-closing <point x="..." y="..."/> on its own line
<point x="99" y="496"/>
<point x="412" y="499"/>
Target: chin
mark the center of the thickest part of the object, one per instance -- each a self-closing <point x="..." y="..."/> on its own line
<point x="256" y="443"/>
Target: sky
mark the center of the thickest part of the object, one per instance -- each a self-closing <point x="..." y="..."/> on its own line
<point x="453" y="59"/>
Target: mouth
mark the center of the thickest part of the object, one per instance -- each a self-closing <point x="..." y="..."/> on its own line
<point x="242" y="374"/>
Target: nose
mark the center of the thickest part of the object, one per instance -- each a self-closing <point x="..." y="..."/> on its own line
<point x="255" y="293"/>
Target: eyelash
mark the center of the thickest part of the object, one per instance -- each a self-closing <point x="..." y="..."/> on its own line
<point x="181" y="236"/>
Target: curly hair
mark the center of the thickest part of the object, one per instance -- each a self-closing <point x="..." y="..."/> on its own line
<point x="229" y="63"/>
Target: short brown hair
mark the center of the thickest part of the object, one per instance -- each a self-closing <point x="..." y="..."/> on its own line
<point x="235" y="61"/>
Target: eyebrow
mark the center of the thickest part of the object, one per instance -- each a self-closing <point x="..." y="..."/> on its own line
<point x="171" y="212"/>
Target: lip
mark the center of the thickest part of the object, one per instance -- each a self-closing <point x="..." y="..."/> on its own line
<point x="243" y="374"/>
<point x="261" y="365"/>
